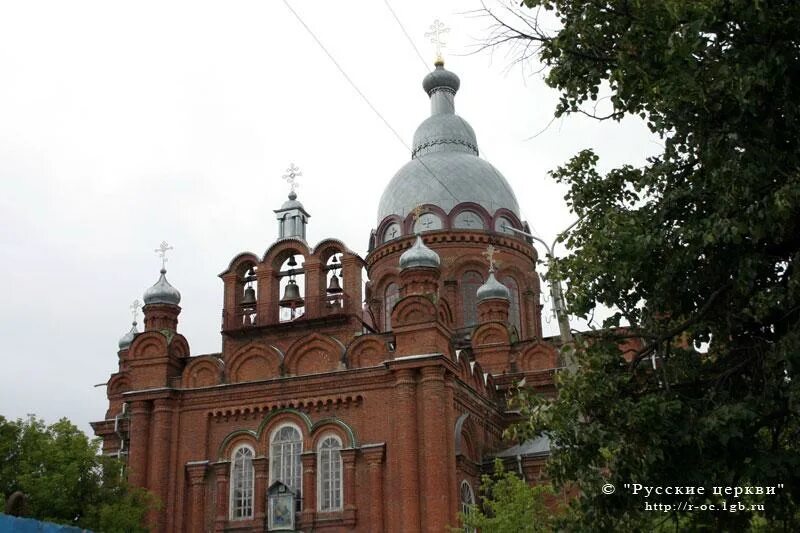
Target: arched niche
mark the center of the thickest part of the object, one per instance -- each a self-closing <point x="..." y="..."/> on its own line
<point x="148" y="344"/>
<point x="205" y="371"/>
<point x="118" y="384"/>
<point x="366" y="351"/>
<point x="504" y="217"/>
<point x="415" y="309"/>
<point x="390" y="228"/>
<point x="470" y="216"/>
<point x="490" y="334"/>
<point x="179" y="346"/>
<point x="253" y="362"/>
<point x="431" y="218"/>
<point x="314" y="354"/>
<point x="445" y="313"/>
<point x="540" y="356"/>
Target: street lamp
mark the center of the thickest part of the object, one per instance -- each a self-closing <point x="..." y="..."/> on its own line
<point x="555" y="292"/>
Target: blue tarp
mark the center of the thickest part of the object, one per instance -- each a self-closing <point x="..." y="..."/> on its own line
<point x="28" y="525"/>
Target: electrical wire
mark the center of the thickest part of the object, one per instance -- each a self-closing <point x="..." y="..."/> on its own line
<point x="410" y="40"/>
<point x="366" y="100"/>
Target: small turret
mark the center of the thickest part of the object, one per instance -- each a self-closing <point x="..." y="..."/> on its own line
<point x="494" y="298"/>
<point x="126" y="340"/>
<point x="419" y="255"/>
<point x="161" y="301"/>
<point x="292" y="216"/>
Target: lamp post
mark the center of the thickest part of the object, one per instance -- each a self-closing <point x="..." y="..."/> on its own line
<point x="555" y="293"/>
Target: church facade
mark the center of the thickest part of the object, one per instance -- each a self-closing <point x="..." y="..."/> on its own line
<point x="338" y="404"/>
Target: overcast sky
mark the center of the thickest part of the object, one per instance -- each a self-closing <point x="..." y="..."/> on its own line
<point x="123" y="124"/>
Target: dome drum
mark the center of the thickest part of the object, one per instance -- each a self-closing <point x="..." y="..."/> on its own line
<point x="466" y="216"/>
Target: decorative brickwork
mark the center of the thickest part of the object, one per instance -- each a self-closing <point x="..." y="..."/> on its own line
<point x="407" y="371"/>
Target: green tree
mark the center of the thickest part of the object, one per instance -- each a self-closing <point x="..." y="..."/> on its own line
<point x="64" y="478"/>
<point x="510" y="505"/>
<point x="695" y="252"/>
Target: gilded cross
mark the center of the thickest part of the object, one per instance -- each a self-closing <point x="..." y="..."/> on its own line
<point x="292" y="173"/>
<point x="135" y="309"/>
<point x="162" y="250"/>
<point x="489" y="255"/>
<point x="417" y="212"/>
<point x="436" y="35"/>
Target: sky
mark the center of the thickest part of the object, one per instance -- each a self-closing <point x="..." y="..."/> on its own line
<point x="123" y="124"/>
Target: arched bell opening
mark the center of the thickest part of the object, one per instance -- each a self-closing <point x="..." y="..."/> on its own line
<point x="334" y="286"/>
<point x="292" y="287"/>
<point x="247" y="293"/>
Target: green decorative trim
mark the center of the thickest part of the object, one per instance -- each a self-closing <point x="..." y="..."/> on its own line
<point x="337" y="422"/>
<point x="168" y="333"/>
<point x="304" y="417"/>
<point x="227" y="440"/>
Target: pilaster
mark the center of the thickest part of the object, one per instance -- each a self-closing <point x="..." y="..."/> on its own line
<point x="222" y="475"/>
<point x="196" y="475"/>
<point x="138" y="457"/>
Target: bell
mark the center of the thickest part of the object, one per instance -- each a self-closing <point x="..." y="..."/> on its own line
<point x="291" y="296"/>
<point x="292" y="263"/>
<point x="249" y="298"/>
<point x="334" y="287"/>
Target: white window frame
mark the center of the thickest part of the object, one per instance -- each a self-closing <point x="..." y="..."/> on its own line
<point x="249" y="478"/>
<point x="337" y="471"/>
<point x="464" y="504"/>
<point x="275" y="473"/>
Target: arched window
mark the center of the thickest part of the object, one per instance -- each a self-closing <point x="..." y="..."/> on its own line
<point x="242" y="478"/>
<point x="329" y="474"/>
<point x="390" y="297"/>
<point x="470" y="282"/>
<point x="284" y="458"/>
<point x="513" y="304"/>
<point x="467" y="498"/>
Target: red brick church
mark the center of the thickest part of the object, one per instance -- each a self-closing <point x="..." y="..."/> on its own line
<point x="338" y="404"/>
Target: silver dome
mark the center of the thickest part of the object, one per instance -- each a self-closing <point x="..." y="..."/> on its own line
<point x="162" y="292"/>
<point x="292" y="202"/>
<point x="446" y="179"/>
<point x="445" y="169"/>
<point x="492" y="289"/>
<point x="440" y="78"/>
<point x="126" y="340"/>
<point x="419" y="255"/>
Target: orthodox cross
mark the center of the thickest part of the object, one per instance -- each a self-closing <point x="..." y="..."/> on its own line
<point x="393" y="233"/>
<point x="416" y="213"/>
<point x="468" y="220"/>
<point x="162" y="250"/>
<point x="135" y="309"/>
<point x="292" y="173"/>
<point x="489" y="255"/>
<point x="436" y="35"/>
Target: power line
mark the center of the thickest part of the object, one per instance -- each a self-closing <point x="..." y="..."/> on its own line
<point x="410" y="40"/>
<point x="341" y="70"/>
<point x="364" y="97"/>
